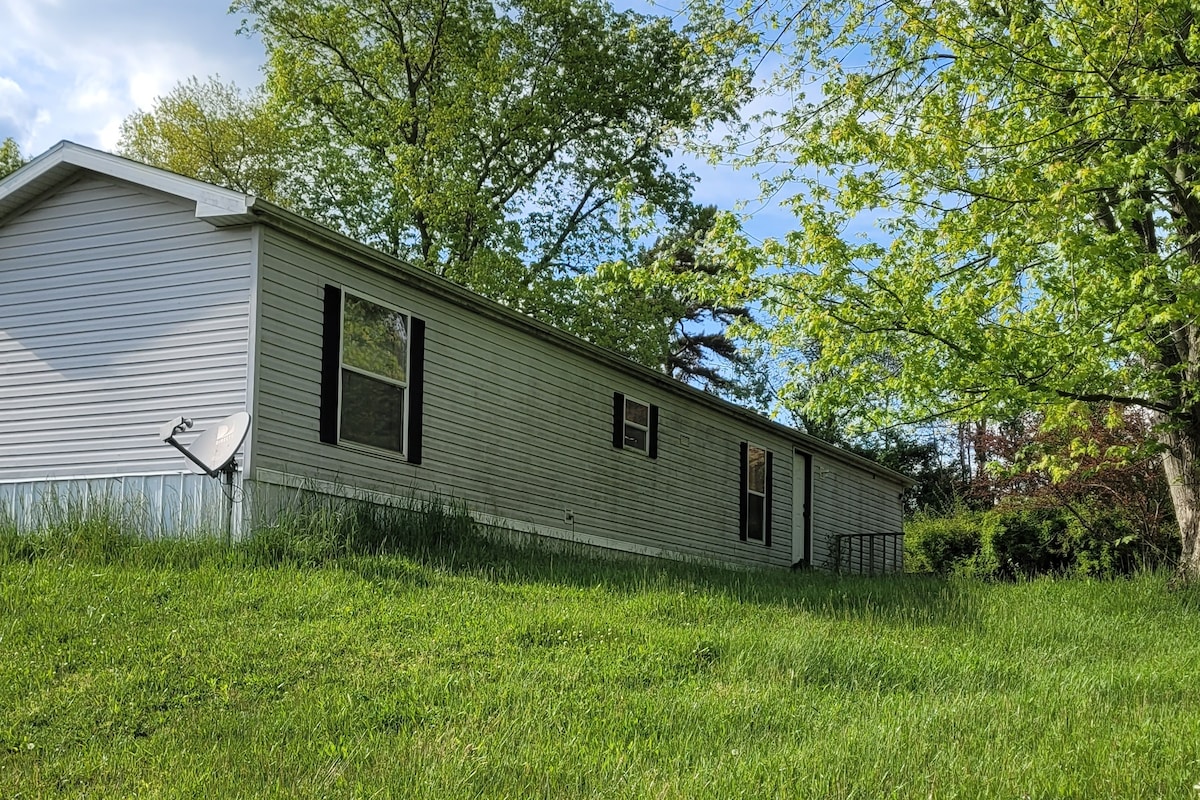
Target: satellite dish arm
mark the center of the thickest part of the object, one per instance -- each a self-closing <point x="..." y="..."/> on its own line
<point x="216" y="445"/>
<point x="178" y="425"/>
<point x="171" y="441"/>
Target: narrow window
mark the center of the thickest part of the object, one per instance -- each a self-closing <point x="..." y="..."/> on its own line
<point x="635" y="425"/>
<point x="371" y="378"/>
<point x="756" y="494"/>
<point x="374" y="374"/>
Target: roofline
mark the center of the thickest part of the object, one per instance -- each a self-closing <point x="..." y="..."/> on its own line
<point x="288" y="221"/>
<point x="224" y="207"/>
<point x="65" y="159"/>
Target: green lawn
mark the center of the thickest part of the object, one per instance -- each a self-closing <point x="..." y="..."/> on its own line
<point x="193" y="671"/>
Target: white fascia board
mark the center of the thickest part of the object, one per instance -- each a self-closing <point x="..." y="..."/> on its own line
<point x="210" y="200"/>
<point x="63" y="159"/>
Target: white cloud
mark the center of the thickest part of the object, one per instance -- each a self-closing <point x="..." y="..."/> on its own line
<point x="18" y="117"/>
<point x="41" y="120"/>
<point x="73" y="69"/>
<point x="148" y="84"/>
<point x="93" y="95"/>
<point x="108" y="136"/>
<point x="11" y="97"/>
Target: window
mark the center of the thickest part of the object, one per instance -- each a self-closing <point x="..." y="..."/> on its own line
<point x="635" y="425"/>
<point x="371" y="376"/>
<point x="756" y="468"/>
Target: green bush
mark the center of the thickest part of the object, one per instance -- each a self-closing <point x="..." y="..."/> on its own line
<point x="1034" y="541"/>
<point x="941" y="543"/>
<point x="1086" y="541"/>
<point x="1105" y="542"/>
<point x="1016" y="542"/>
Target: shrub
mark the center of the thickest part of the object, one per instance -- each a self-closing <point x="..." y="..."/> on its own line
<point x="1022" y="541"/>
<point x="1030" y="542"/>
<point x="1104" y="541"/>
<point x="941" y="543"/>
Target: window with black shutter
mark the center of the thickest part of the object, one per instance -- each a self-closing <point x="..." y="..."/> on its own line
<point x="372" y="375"/>
<point x="635" y="425"/>
<point x="755" y="502"/>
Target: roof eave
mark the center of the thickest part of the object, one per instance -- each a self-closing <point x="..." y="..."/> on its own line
<point x="293" y="223"/>
<point x="64" y="160"/>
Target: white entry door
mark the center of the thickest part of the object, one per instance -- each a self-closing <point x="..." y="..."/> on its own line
<point x="801" y="513"/>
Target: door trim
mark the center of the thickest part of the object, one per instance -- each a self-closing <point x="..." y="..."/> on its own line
<point x="801" y="508"/>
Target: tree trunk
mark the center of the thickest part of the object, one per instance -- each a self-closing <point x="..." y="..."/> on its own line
<point x="1181" y="461"/>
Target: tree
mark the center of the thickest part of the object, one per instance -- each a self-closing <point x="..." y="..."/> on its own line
<point x="513" y="147"/>
<point x="678" y="303"/>
<point x="212" y="131"/>
<point x="1032" y="168"/>
<point x="1095" y="468"/>
<point x="494" y="143"/>
<point x="10" y="157"/>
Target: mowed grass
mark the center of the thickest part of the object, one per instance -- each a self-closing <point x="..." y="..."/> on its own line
<point x="193" y="670"/>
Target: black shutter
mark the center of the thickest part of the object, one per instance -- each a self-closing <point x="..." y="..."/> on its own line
<point x="416" y="387"/>
<point x="743" y="517"/>
<point x="331" y="366"/>
<point x="767" y="504"/>
<point x="807" y="511"/>
<point x="654" y="431"/>
<point x="618" y="420"/>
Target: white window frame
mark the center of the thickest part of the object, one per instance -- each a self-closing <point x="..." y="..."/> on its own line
<point x="343" y="366"/>
<point x="627" y="423"/>
<point x="751" y="492"/>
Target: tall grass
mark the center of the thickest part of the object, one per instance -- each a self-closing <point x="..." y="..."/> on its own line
<point x="338" y="656"/>
<point x="315" y="528"/>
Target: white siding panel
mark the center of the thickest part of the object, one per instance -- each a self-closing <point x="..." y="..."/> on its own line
<point x="176" y="504"/>
<point x="118" y="310"/>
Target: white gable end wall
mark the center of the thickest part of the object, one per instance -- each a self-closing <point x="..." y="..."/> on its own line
<point x="118" y="310"/>
<point x="848" y="501"/>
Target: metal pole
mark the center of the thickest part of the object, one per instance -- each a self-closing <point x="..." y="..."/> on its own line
<point x="229" y="469"/>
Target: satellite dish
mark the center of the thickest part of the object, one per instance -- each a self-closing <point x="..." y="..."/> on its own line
<point x="214" y="449"/>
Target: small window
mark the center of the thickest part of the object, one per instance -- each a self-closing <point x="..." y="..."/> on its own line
<point x="635" y="425"/>
<point x="756" y="494"/>
<point x="371" y="380"/>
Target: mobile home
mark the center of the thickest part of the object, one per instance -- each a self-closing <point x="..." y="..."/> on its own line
<point x="130" y="295"/>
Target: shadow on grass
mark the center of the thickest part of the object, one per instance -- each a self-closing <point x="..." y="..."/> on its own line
<point x="423" y="540"/>
<point x="899" y="599"/>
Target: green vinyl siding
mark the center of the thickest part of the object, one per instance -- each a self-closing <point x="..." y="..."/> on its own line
<point x="515" y="424"/>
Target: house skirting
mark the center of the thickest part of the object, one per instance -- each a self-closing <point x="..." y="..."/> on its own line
<point x="159" y="505"/>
